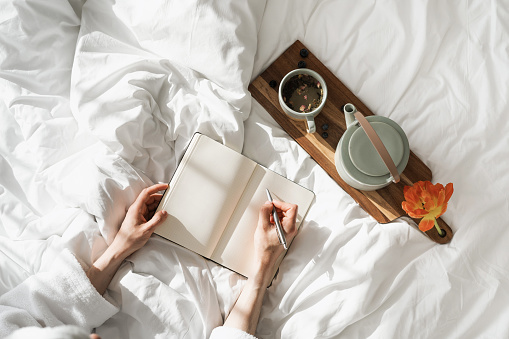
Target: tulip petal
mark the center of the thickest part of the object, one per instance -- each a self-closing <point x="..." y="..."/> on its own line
<point x="426" y="224"/>
<point x="427" y="201"/>
<point x="449" y="189"/>
<point x="441" y="197"/>
<point x="444" y="209"/>
<point x="405" y="189"/>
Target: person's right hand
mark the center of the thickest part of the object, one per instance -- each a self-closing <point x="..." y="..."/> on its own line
<point x="266" y="241"/>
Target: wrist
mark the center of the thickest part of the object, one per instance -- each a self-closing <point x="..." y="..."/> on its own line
<point x="109" y="261"/>
<point x="262" y="276"/>
<point x="265" y="265"/>
<point x="104" y="268"/>
<point x="117" y="250"/>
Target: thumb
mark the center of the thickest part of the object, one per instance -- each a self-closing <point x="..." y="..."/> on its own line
<point x="157" y="219"/>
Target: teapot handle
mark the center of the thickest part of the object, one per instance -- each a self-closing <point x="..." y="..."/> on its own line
<point x="379" y="146"/>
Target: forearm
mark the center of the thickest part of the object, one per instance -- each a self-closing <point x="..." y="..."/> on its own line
<point x="136" y="229"/>
<point x="246" y="312"/>
<point x="103" y="269"/>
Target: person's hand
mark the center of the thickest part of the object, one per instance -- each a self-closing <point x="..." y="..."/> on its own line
<point x="137" y="227"/>
<point x="246" y="312"/>
<point x="266" y="242"/>
<point x="140" y="221"/>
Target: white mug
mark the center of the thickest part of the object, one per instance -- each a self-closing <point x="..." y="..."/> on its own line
<point x="309" y="116"/>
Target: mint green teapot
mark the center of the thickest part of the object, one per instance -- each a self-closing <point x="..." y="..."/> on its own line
<point x="373" y="151"/>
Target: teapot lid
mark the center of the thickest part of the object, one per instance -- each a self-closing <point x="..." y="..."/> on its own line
<point x="365" y="157"/>
<point x="359" y="159"/>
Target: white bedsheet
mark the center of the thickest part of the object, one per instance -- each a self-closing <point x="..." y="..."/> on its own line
<point x="99" y="99"/>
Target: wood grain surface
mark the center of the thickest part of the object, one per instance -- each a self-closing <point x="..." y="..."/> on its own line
<point x="383" y="204"/>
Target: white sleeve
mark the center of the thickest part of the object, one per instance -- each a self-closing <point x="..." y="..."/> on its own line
<point x="223" y="332"/>
<point x="62" y="296"/>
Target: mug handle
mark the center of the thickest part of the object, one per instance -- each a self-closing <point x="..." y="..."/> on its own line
<point x="311" y="124"/>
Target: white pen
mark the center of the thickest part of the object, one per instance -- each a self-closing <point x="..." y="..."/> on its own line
<point x="279" y="229"/>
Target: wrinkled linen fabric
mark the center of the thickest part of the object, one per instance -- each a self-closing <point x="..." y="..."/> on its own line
<point x="99" y="99"/>
<point x="439" y="70"/>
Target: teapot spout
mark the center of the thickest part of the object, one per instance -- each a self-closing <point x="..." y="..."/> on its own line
<point x="349" y="110"/>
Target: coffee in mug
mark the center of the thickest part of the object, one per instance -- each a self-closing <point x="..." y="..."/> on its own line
<point x="302" y="95"/>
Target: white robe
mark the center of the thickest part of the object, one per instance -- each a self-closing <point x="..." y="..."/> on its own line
<point x="61" y="297"/>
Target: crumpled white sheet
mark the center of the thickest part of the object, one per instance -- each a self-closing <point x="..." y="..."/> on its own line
<point x="439" y="70"/>
<point x="98" y="101"/>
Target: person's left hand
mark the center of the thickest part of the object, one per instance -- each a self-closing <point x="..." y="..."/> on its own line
<point x="140" y="221"/>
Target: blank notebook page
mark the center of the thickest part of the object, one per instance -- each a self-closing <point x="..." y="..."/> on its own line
<point x="236" y="248"/>
<point x="203" y="194"/>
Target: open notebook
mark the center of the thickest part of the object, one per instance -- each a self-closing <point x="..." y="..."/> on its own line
<point x="214" y="199"/>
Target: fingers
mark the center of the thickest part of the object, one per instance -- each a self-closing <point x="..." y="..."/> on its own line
<point x="287" y="213"/>
<point x="153" y="201"/>
<point x="285" y="206"/>
<point x="146" y="194"/>
<point x="154" y="198"/>
<point x="155" y="188"/>
<point x="286" y="210"/>
<point x="265" y="215"/>
<point x="283" y="209"/>
<point x="156" y="220"/>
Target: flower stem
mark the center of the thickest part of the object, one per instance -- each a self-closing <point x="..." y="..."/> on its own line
<point x="440" y="231"/>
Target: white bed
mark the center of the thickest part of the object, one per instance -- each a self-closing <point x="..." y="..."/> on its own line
<point x="99" y="99"/>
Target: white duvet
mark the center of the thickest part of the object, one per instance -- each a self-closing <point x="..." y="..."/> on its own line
<point x="98" y="99"/>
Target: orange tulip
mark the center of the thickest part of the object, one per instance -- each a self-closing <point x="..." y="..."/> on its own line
<point x="427" y="201"/>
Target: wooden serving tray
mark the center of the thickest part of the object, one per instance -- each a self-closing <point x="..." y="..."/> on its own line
<point x="383" y="204"/>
